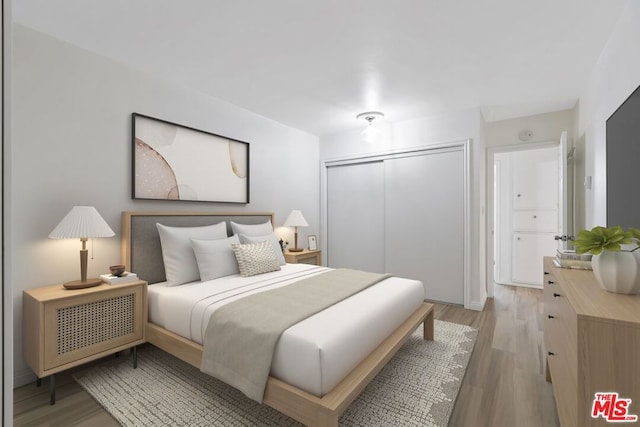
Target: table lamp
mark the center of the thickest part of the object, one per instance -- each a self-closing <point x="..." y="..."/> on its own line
<point x="295" y="219"/>
<point x="82" y="222"/>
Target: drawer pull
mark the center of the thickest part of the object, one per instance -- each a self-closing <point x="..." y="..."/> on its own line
<point x="556" y="295"/>
<point x="551" y="354"/>
<point x="551" y="282"/>
<point x="546" y="272"/>
<point x="551" y="317"/>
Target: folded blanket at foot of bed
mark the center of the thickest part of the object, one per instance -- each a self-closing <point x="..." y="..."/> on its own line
<point x="241" y="336"/>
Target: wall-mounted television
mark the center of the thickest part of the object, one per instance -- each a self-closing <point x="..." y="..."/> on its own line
<point x="623" y="164"/>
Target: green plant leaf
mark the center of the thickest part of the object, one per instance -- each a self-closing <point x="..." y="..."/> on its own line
<point x="608" y="239"/>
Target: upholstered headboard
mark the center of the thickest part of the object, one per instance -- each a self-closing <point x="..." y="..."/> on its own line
<point x="141" y="250"/>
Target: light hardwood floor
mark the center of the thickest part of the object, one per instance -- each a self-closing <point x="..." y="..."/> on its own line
<point x="504" y="385"/>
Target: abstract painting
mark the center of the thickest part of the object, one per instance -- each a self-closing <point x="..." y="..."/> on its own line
<point x="175" y="162"/>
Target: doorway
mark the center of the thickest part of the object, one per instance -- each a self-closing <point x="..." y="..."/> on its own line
<point x="525" y="210"/>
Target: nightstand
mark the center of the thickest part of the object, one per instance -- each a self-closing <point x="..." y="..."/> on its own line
<point x="304" y="257"/>
<point x="65" y="328"/>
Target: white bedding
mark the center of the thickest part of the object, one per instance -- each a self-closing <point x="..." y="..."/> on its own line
<point x="313" y="355"/>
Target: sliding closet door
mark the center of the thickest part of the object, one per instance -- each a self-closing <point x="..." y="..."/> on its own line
<point x="424" y="222"/>
<point x="355" y="216"/>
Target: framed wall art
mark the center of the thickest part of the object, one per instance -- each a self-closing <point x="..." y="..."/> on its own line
<point x="175" y="162"/>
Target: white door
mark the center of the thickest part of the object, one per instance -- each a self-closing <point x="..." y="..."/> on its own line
<point x="425" y="222"/>
<point x="564" y="230"/>
<point x="527" y="189"/>
<point x="355" y="216"/>
<point x="405" y="213"/>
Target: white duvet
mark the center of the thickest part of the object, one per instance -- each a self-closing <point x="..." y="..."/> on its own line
<point x="313" y="355"/>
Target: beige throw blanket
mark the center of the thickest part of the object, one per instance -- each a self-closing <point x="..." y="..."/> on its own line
<point x="241" y="336"/>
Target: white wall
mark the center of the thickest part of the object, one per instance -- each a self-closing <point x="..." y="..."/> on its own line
<point x="426" y="131"/>
<point x="72" y="146"/>
<point x="545" y="127"/>
<point x="615" y="76"/>
<point x="5" y="131"/>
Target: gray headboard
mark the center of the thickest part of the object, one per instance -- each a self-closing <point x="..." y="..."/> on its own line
<point x="141" y="250"/>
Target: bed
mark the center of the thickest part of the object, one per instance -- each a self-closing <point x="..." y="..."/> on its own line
<point x="317" y="402"/>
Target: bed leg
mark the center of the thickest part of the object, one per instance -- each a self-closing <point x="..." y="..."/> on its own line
<point x="428" y="326"/>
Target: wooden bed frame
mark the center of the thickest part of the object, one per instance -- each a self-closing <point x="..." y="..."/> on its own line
<point x="291" y="401"/>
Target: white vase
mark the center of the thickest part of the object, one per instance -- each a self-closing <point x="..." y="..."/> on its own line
<point x="618" y="272"/>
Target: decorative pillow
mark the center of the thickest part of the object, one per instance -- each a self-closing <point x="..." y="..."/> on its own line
<point x="215" y="257"/>
<point x="271" y="238"/>
<point x="252" y="229"/>
<point x="255" y="258"/>
<point x="180" y="265"/>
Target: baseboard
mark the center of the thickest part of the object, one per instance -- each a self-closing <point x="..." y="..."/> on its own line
<point x="476" y="305"/>
<point x="521" y="285"/>
<point x="22" y="377"/>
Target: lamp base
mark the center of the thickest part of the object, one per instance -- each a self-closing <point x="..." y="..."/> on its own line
<point x="81" y="284"/>
<point x="296" y="250"/>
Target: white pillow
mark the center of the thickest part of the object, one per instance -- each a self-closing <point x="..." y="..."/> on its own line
<point x="215" y="257"/>
<point x="180" y="265"/>
<point x="271" y="238"/>
<point x="255" y="258"/>
<point x="252" y="229"/>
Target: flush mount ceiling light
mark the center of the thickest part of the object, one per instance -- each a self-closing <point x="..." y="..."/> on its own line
<point x="370" y="133"/>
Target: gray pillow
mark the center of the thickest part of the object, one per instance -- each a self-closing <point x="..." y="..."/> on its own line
<point x="215" y="257"/>
<point x="252" y="229"/>
<point x="180" y="265"/>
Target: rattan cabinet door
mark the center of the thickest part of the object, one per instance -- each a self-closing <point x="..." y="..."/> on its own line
<point x="89" y="325"/>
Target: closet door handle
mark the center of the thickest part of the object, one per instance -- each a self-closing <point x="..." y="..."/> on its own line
<point x="555" y="295"/>
<point x="551" y="282"/>
<point x="551" y="354"/>
<point x="546" y="272"/>
<point x="551" y="317"/>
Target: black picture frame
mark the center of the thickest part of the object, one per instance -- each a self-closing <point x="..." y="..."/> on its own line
<point x="312" y="242"/>
<point x="176" y="162"/>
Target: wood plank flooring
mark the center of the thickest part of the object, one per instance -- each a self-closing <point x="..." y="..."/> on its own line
<point x="504" y="385"/>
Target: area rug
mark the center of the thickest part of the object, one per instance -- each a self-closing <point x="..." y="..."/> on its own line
<point x="418" y="387"/>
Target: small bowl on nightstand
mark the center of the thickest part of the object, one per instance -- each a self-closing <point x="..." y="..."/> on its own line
<point x="117" y="270"/>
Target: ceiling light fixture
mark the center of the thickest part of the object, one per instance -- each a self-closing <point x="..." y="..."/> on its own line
<point x="370" y="133"/>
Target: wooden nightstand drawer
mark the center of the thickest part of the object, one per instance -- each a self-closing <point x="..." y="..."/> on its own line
<point x="304" y="257"/>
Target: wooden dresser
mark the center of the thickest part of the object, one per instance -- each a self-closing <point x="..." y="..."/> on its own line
<point x="592" y="340"/>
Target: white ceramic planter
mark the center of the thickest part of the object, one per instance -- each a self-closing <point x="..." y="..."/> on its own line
<point x="618" y="272"/>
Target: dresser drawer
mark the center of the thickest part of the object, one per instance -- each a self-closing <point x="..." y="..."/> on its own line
<point x="535" y="221"/>
<point x="560" y="340"/>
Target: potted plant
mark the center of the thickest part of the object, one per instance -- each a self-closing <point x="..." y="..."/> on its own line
<point x="616" y="259"/>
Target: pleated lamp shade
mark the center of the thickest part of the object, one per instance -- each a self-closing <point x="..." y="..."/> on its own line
<point x="295" y="219"/>
<point x="82" y="222"/>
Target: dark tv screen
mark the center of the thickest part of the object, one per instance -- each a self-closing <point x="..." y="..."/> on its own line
<point x="623" y="164"/>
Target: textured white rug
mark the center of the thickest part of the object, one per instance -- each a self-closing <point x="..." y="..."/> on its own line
<point x="418" y="387"/>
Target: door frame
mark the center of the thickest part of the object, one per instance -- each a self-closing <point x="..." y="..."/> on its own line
<point x="407" y="152"/>
<point x="490" y="230"/>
